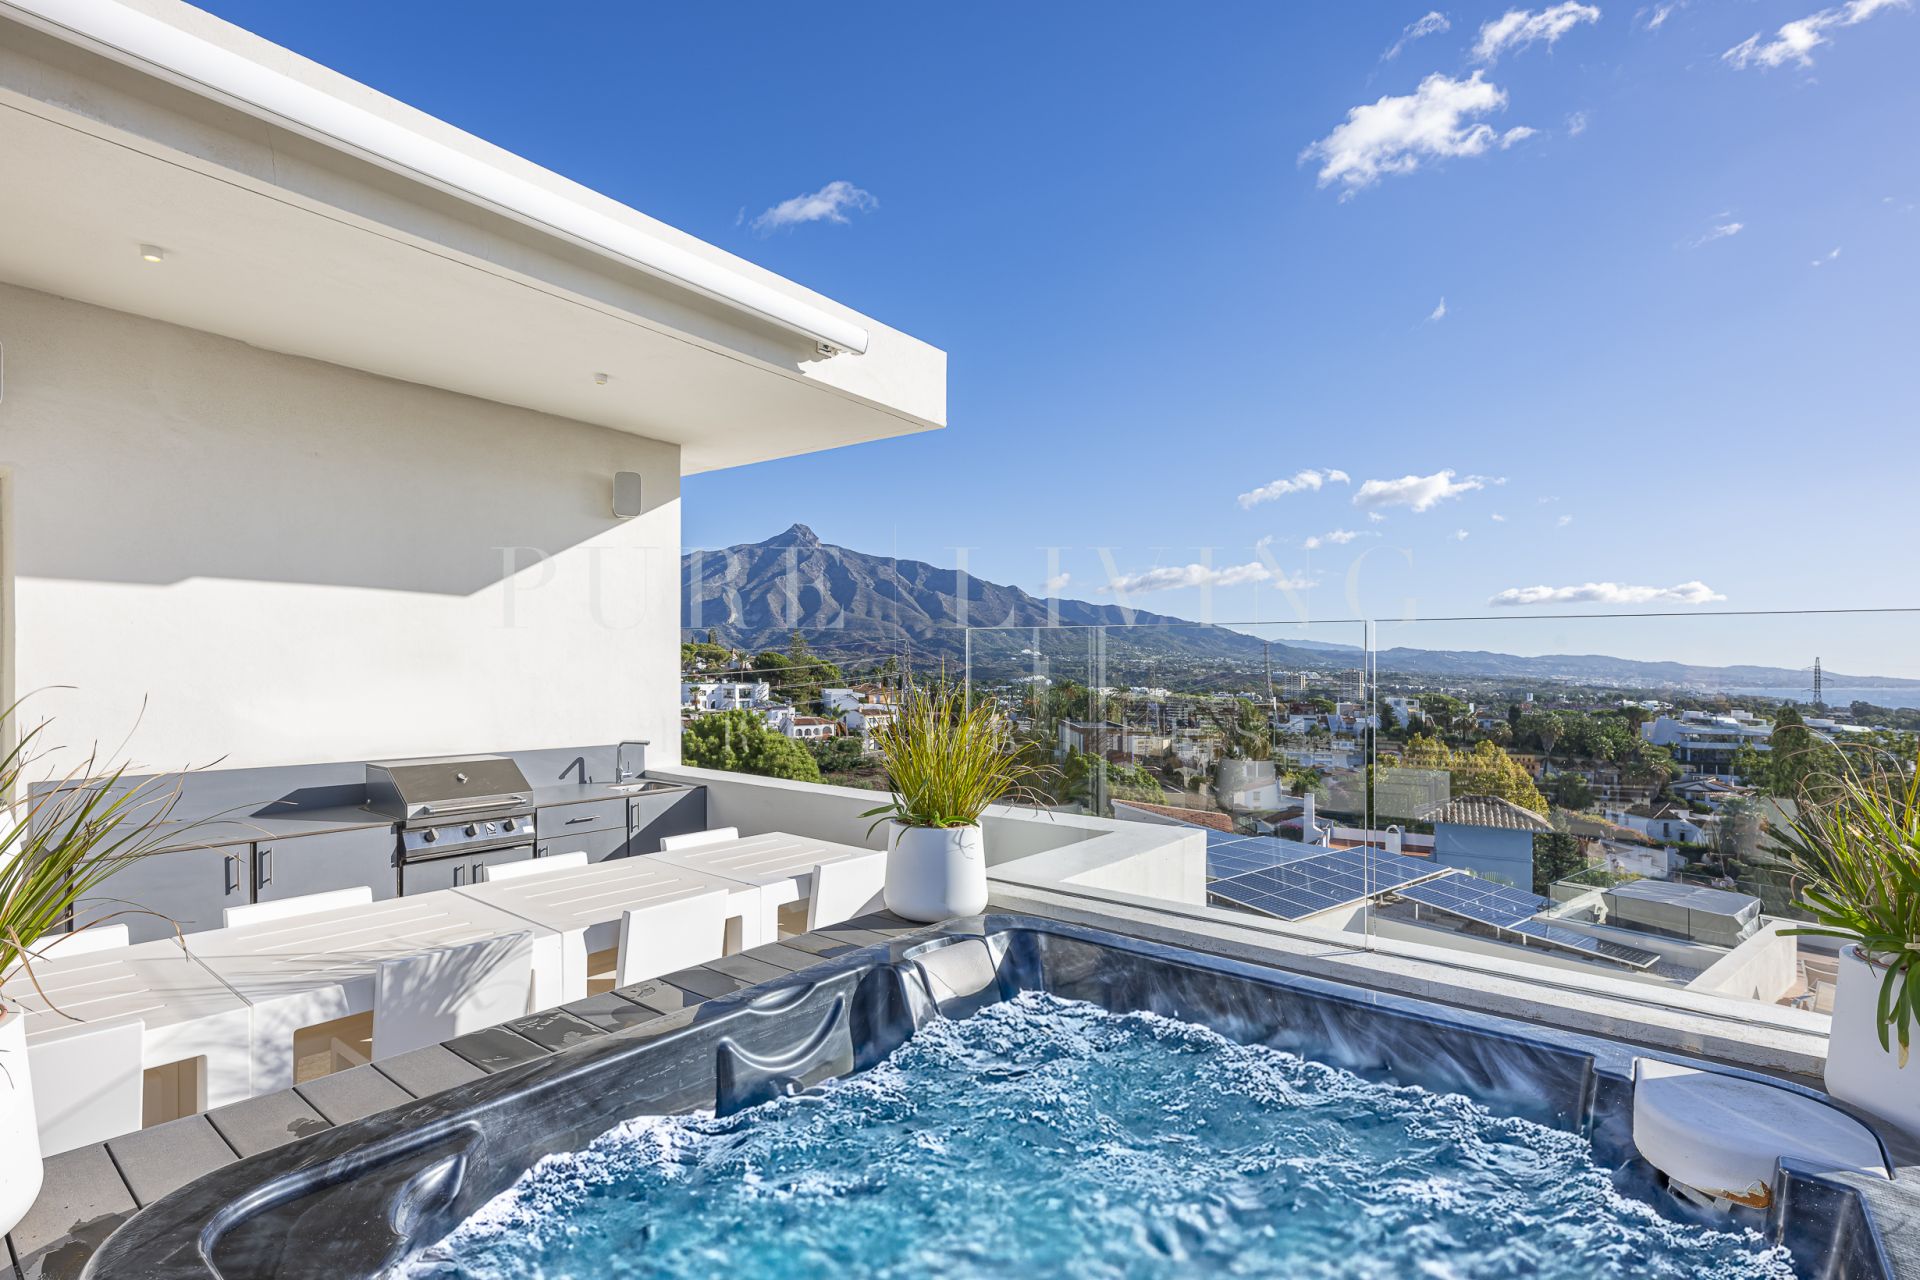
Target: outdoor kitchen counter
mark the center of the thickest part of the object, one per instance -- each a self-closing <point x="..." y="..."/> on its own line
<point x="286" y="819"/>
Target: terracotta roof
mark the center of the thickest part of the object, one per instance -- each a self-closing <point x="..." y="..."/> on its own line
<point x="1210" y="818"/>
<point x="1488" y="811"/>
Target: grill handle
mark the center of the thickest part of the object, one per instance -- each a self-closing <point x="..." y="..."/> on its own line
<point x="472" y="806"/>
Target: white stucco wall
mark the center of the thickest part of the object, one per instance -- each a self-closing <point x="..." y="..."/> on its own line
<point x="287" y="561"/>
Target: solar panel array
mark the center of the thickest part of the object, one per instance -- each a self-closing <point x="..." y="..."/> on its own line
<point x="1485" y="902"/>
<point x="1572" y="940"/>
<point x="1320" y="880"/>
<point x="1229" y="854"/>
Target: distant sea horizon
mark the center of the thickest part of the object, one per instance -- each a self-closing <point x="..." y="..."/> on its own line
<point x="1840" y="697"/>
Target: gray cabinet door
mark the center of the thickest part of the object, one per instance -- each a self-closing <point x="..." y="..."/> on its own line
<point x="673" y="814"/>
<point x="457" y="872"/>
<point x="299" y="865"/>
<point x="597" y="845"/>
<point x="571" y="819"/>
<point x="188" y="887"/>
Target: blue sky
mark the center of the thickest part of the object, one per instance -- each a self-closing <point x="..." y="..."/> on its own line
<point x="1678" y="247"/>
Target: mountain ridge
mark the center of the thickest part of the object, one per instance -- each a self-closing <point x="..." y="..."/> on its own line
<point x="851" y="603"/>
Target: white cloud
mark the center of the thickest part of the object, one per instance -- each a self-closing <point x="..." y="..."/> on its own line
<point x="1609" y="593"/>
<point x="830" y="203"/>
<point x="1433" y="24"/>
<point x="1418" y="492"/>
<point x="1831" y="256"/>
<point x="1173" y="577"/>
<point x="1563" y="522"/>
<point x="1332" y="538"/>
<point x="1461" y="535"/>
<point x="1376" y="517"/>
<point x="1498" y="518"/>
<point x="1795" y="41"/>
<point x="1658" y="15"/>
<point x="1300" y="482"/>
<point x="1577" y="124"/>
<point x="1395" y="134"/>
<point x="1439" y="312"/>
<point x="1720" y="231"/>
<point x="1518" y="28"/>
<point x="1056" y="584"/>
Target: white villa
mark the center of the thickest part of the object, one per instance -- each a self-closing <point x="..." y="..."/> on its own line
<point x="341" y="456"/>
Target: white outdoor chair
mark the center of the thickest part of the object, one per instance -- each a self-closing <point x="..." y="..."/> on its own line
<point x="95" y="937"/>
<point x="424" y="999"/>
<point x="304" y="905"/>
<point x="693" y="839"/>
<point x="534" y="867"/>
<point x="845" y="889"/>
<point x="88" y="1086"/>
<point x="672" y="935"/>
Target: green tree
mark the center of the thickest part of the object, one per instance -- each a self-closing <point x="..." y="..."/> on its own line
<point x="1556" y="855"/>
<point x="1486" y="770"/>
<point x="741" y="742"/>
<point x="1570" y="791"/>
<point x="839" y="755"/>
<point x="1447" y="714"/>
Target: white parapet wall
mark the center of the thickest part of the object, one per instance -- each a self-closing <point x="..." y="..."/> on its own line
<point x="1764" y="967"/>
<point x="1023" y="846"/>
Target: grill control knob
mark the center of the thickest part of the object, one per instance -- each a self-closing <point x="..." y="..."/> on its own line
<point x="429" y="835"/>
<point x="507" y="825"/>
<point x="472" y="830"/>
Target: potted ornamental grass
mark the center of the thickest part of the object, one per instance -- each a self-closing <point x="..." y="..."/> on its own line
<point x="1857" y="844"/>
<point x="947" y="760"/>
<point x="56" y="849"/>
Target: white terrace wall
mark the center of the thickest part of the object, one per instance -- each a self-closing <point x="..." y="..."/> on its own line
<point x="227" y="554"/>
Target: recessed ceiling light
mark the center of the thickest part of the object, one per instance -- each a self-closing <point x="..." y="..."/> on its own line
<point x="599" y="379"/>
<point x="153" y="253"/>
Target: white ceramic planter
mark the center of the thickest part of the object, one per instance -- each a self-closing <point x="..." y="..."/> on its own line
<point x="19" y="1133"/>
<point x="935" y="873"/>
<point x="1859" y="1071"/>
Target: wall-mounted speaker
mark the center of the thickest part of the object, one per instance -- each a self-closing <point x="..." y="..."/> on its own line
<point x="626" y="495"/>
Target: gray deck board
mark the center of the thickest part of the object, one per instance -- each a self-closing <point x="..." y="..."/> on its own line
<point x="348" y="1095"/>
<point x="268" y="1121"/>
<point x="429" y="1070"/>
<point x="747" y="969"/>
<point x="709" y="984"/>
<point x="496" y="1049"/>
<point x="82" y="1199"/>
<point x="611" y="1011"/>
<point x="168" y="1156"/>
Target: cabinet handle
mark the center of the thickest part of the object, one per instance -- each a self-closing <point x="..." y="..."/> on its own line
<point x="266" y="866"/>
<point x="574" y="821"/>
<point x="231" y="866"/>
<point x="460" y="875"/>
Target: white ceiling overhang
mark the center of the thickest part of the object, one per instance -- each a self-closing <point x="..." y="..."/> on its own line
<point x="307" y="214"/>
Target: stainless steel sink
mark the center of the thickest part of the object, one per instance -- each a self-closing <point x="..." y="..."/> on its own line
<point x="645" y="788"/>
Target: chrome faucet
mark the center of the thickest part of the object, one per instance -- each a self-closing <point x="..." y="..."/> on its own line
<point x="620" y="771"/>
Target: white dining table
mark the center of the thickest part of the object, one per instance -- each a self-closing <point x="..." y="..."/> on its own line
<point x="304" y="970"/>
<point x="584" y="905"/>
<point x="779" y="865"/>
<point x="184" y="1012"/>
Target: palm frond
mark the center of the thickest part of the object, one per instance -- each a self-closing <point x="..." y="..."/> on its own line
<point x="1858" y="846"/>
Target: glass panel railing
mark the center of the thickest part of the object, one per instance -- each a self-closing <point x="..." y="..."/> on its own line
<point x="1605" y="794"/>
<point x="801" y="704"/>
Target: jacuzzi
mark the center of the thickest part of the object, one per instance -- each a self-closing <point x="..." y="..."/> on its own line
<point x="362" y="1199"/>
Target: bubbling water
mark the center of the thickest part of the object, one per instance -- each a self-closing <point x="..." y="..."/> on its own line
<point x="1047" y="1137"/>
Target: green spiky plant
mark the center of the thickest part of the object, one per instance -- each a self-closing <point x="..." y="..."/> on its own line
<point x="1858" y="846"/>
<point x="69" y="839"/>
<point x="947" y="760"/>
